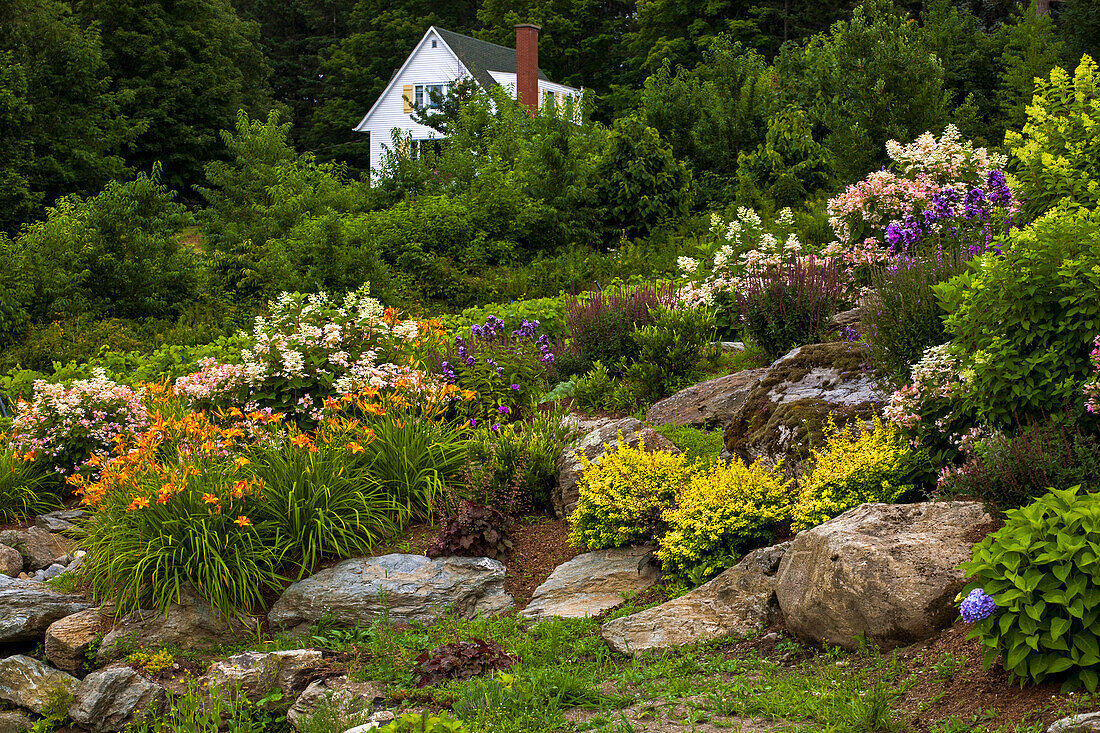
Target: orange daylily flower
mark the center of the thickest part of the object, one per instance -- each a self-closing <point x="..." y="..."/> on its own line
<point x="241" y="461"/>
<point x="138" y="502"/>
<point x="301" y="440"/>
<point x="354" y="447"/>
<point x="210" y="498"/>
<point x="242" y="521"/>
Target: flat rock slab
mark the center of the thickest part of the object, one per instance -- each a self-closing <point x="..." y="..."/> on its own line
<point x="28" y="683"/>
<point x="349" y="703"/>
<point x="408" y="587"/>
<point x="69" y="639"/>
<point x="1083" y="723"/>
<point x="63" y="520"/>
<point x="738" y="602"/>
<point x="887" y="572"/>
<point x="593" y="582"/>
<point x="254" y="674"/>
<point x="110" y="699"/>
<point x="708" y="404"/>
<point x="604" y="437"/>
<point x="28" y="608"/>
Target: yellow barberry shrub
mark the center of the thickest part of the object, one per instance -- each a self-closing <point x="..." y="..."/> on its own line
<point x="623" y="496"/>
<point x="857" y="465"/>
<point x="722" y="512"/>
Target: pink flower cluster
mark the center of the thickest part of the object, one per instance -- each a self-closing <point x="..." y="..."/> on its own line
<point x="937" y="377"/>
<point x="68" y="424"/>
<point x="1092" y="388"/>
<point x="212" y="382"/>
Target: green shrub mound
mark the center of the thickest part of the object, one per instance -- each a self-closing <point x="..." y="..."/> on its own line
<point x="1043" y="571"/>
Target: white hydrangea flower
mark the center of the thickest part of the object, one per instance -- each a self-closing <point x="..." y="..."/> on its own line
<point x="687" y="264"/>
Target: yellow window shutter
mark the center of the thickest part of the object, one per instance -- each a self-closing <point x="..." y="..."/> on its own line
<point x="407" y="96"/>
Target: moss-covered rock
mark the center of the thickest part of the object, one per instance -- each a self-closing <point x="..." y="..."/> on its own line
<point x="785" y="412"/>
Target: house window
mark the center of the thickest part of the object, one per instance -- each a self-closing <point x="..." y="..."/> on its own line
<point x="433" y="43"/>
<point x="550" y="101"/>
<point x="439" y="91"/>
<point x="418" y="98"/>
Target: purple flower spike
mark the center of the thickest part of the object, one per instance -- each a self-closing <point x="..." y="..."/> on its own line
<point x="977" y="606"/>
<point x="503" y="410"/>
<point x="515" y="386"/>
<point x="495" y="427"/>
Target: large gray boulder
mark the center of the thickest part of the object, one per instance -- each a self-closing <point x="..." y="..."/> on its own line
<point x="348" y="703"/>
<point x="38" y="547"/>
<point x="593" y="582"/>
<point x="69" y="639"/>
<point x="786" y="410"/>
<point x="738" y="602"/>
<point x="30" y="684"/>
<point x="109" y="699"/>
<point x="255" y="674"/>
<point x="190" y="622"/>
<point x="886" y="572"/>
<point x="1083" y="723"/>
<point x="594" y="444"/>
<point x="28" y="608"/>
<point x="708" y="404"/>
<point x="408" y="587"/>
<point x="11" y="562"/>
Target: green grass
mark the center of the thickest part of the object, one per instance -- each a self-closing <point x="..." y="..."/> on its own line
<point x="701" y="446"/>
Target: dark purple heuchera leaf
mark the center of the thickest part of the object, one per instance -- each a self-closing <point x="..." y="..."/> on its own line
<point x="476" y="531"/>
<point x="461" y="660"/>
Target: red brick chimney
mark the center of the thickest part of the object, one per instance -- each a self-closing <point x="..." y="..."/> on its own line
<point x="527" y="65"/>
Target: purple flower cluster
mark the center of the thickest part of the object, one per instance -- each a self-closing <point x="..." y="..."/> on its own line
<point x="977" y="606"/>
<point x="493" y="333"/>
<point x="975" y="206"/>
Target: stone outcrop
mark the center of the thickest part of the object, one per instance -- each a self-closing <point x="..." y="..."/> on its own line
<point x="708" y="404"/>
<point x="1083" y="723"/>
<point x="255" y="674"/>
<point x="109" y="699"/>
<point x="408" y="587"/>
<point x="63" y="520"/>
<point x="69" y="639"/>
<point x="738" y="602"/>
<point x="886" y="572"/>
<point x="38" y="547"/>
<point x="788" y="406"/>
<point x="13" y="721"/>
<point x="11" y="562"/>
<point x="349" y="703"/>
<point x="593" y="582"/>
<point x="28" y="683"/>
<point x="28" y="608"/>
<point x="190" y="622"/>
<point x="594" y="444"/>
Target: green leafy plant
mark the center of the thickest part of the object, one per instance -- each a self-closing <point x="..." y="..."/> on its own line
<point x="591" y="392"/>
<point x="790" y="305"/>
<point x="676" y="346"/>
<point x="424" y="723"/>
<point x="622" y="498"/>
<point x="1038" y="568"/>
<point x="25" y="489"/>
<point x="701" y="447"/>
<point x="719" y="513"/>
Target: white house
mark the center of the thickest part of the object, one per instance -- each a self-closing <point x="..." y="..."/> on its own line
<point x="442" y="58"/>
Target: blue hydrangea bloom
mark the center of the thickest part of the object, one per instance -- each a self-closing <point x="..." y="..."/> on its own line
<point x="977" y="606"/>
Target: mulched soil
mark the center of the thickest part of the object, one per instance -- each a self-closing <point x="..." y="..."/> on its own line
<point x="540" y="544"/>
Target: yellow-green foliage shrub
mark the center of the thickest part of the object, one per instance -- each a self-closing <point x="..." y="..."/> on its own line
<point x="857" y="465"/>
<point x="623" y="496"/>
<point x="720" y="513"/>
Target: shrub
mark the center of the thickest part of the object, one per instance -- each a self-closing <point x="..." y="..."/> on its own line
<point x="1057" y="154"/>
<point x="476" y="531"/>
<point x="63" y="426"/>
<point x="1038" y="570"/>
<point x="856" y="465"/>
<point x="790" y="305"/>
<point x="507" y="369"/>
<point x="622" y="498"/>
<point x="25" y="489"/>
<point x="1012" y="470"/>
<point x="549" y="312"/>
<point x="602" y="324"/>
<point x="720" y="513"/>
<point x="592" y="391"/>
<point x="676" y="347"/>
<point x="320" y="499"/>
<point x="929" y="407"/>
<point x="904" y="318"/>
<point x="461" y="660"/>
<point x="1027" y="319"/>
<point x="515" y="467"/>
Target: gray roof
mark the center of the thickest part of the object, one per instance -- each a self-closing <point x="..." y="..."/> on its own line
<point x="481" y="57"/>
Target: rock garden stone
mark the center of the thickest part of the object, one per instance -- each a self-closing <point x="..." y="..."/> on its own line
<point x="1083" y="723"/>
<point x="886" y="572"/>
<point x="69" y="639"/>
<point x="59" y="521"/>
<point x="739" y="601"/>
<point x="379" y="719"/>
<point x="787" y="408"/>
<point x="351" y="703"/>
<point x="28" y="683"/>
<point x="109" y="699"/>
<point x="38" y="547"/>
<point x="732" y="345"/>
<point x="13" y="721"/>
<point x="593" y="445"/>
<point x="593" y="582"/>
<point x="409" y="587"/>
<point x="254" y="674"/>
<point x="190" y="622"/>
<point x="27" y="608"/>
<point x="11" y="562"/>
<point x="708" y="404"/>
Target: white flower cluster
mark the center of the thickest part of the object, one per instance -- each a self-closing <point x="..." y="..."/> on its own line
<point x="949" y="155"/>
